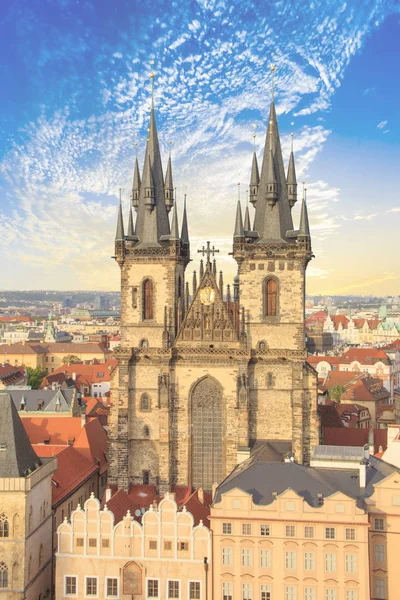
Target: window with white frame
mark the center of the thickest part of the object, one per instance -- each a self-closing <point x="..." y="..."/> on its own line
<point x="227" y="590"/>
<point x="265" y="529"/>
<point x="247" y="558"/>
<point x="380" y="588"/>
<point x="310" y="593"/>
<point x="173" y="589"/>
<point x="265" y="591"/>
<point x="330" y="594"/>
<point x="290" y="531"/>
<point x="112" y="587"/>
<point x="330" y="562"/>
<point x="290" y="559"/>
<point x="246" y="528"/>
<point x="265" y="559"/>
<point x="350" y="534"/>
<point x="227" y="528"/>
<point x="70" y="585"/>
<point x="247" y="591"/>
<point x="227" y="556"/>
<point x="309" y="561"/>
<point x="379" y="553"/>
<point x="194" y="590"/>
<point x="152" y="588"/>
<point x="309" y="532"/>
<point x="330" y="533"/>
<point x="351" y="595"/>
<point x="290" y="592"/>
<point x="379" y="524"/>
<point x="351" y="563"/>
<point x="91" y="586"/>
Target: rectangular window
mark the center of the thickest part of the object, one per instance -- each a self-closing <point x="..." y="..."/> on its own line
<point x="309" y="532"/>
<point x="227" y="528"/>
<point x="330" y="594"/>
<point x="330" y="562"/>
<point x="350" y="534"/>
<point x="379" y="553"/>
<point x="227" y="556"/>
<point x="227" y="590"/>
<point x="153" y="545"/>
<point x="290" y="560"/>
<point x="330" y="533"/>
<point x="290" y="531"/>
<point x="351" y="595"/>
<point x="79" y="542"/>
<point x="265" y="529"/>
<point x="290" y="593"/>
<point x="173" y="589"/>
<point x="247" y="557"/>
<point x="247" y="591"/>
<point x="167" y="545"/>
<point x="265" y="591"/>
<point x="246" y="529"/>
<point x="265" y="559"/>
<point x="184" y="546"/>
<point x="310" y="593"/>
<point x="309" y="561"/>
<point x="379" y="524"/>
<point x="105" y="543"/>
<point x="380" y="588"/>
<point x="351" y="563"/>
<point x="70" y="585"/>
<point x="91" y="586"/>
<point x="194" y="590"/>
<point x="152" y="588"/>
<point x="92" y="542"/>
<point x="112" y="587"/>
<point x="146" y="477"/>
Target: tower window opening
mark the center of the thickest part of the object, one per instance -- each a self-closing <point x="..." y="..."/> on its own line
<point x="148" y="300"/>
<point x="270" y="297"/>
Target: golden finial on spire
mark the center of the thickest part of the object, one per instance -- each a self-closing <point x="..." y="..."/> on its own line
<point x="239" y="191"/>
<point x="292" y="136"/>
<point x="120" y="195"/>
<point x="303" y="183"/>
<point x="170" y="146"/>
<point x="272" y="69"/>
<point x="152" y="75"/>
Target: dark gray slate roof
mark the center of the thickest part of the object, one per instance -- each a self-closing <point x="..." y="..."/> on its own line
<point x="261" y="478"/>
<point x="17" y="457"/>
<point x="50" y="398"/>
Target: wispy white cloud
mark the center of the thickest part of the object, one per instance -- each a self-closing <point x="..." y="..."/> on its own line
<point x="366" y="217"/>
<point x="394" y="209"/>
<point x="382" y="124"/>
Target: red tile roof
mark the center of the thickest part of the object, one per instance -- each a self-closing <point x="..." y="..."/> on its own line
<point x="366" y="389"/>
<point x="373" y="323"/>
<point x="73" y="470"/>
<point x="329" y="416"/>
<point x="57" y="430"/>
<point x="339" y="320"/>
<point x="336" y="436"/>
<point x="358" y="323"/>
<point x="365" y="356"/>
<point x="21" y="348"/>
<point x="315" y="359"/>
<point x="92" y="443"/>
<point x="15" y="319"/>
<point x="342" y="378"/>
<point x="351" y="414"/>
<point x="318" y="317"/>
<point x="88" y="374"/>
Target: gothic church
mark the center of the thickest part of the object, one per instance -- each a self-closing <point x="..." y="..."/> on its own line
<point x="205" y="373"/>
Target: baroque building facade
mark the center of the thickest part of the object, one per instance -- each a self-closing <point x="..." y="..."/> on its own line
<point x="204" y="374"/>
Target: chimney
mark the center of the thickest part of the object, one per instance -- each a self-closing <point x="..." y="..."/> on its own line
<point x="200" y="495"/>
<point x="83" y="418"/>
<point x="73" y="376"/>
<point x="108" y="494"/>
<point x="363" y="474"/>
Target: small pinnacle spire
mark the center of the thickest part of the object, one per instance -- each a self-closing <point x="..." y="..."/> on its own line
<point x="247" y="225"/>
<point x="185" y="229"/>
<point x="169" y="186"/>
<point x="131" y="229"/>
<point x="136" y="185"/>
<point x="239" y="230"/>
<point x="272" y="182"/>
<point x="304" y="229"/>
<point x="174" y="225"/>
<point x="201" y="269"/>
<point x="194" y="283"/>
<point x="214" y="269"/>
<point x="221" y="282"/>
<point x="291" y="181"/>
<point x="120" y="235"/>
<point x="254" y="180"/>
<point x="152" y="89"/>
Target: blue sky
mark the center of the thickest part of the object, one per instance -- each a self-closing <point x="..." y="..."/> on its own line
<point x="75" y="101"/>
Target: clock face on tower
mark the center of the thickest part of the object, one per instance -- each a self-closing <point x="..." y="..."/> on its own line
<point x="207" y="295"/>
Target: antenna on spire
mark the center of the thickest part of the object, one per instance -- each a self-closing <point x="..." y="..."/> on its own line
<point x="247" y="198"/>
<point x="120" y="195"/>
<point x="272" y="67"/>
<point x="304" y="189"/>
<point x="152" y="85"/>
<point x="239" y="191"/>
<point x="136" y="147"/>
<point x="170" y="146"/>
<point x="292" y="136"/>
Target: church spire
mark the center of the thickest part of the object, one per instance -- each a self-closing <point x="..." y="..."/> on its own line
<point x="169" y="186"/>
<point x="119" y="236"/>
<point x="304" y="229"/>
<point x="185" y="229"/>
<point x="152" y="222"/>
<point x="272" y="182"/>
<point x="254" y="180"/>
<point x="291" y="180"/>
<point x="239" y="229"/>
<point x="136" y="186"/>
<point x="131" y="229"/>
<point x="174" y="224"/>
<point x="247" y="224"/>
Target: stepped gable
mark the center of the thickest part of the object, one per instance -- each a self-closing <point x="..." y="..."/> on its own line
<point x="209" y="318"/>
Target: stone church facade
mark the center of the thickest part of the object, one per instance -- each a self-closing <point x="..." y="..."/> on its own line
<point x="205" y="372"/>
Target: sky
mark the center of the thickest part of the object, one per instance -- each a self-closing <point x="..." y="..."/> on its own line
<point x="74" y="110"/>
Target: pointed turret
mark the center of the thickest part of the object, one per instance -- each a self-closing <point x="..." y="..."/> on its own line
<point x="169" y="187"/>
<point x="247" y="224"/>
<point x="174" y="225"/>
<point x="304" y="229"/>
<point x="136" y="186"/>
<point x="185" y="229"/>
<point x="239" y="230"/>
<point x="272" y="182"/>
<point x="291" y="182"/>
<point x="148" y="185"/>
<point x="254" y="180"/>
<point x="120" y="235"/>
<point x="131" y="229"/>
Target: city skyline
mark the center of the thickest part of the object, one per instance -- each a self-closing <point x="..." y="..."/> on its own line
<point x="78" y="101"/>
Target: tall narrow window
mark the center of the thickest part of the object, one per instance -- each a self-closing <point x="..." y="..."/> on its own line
<point x="3" y="525"/>
<point x="270" y="297"/>
<point x="3" y="575"/>
<point x="148" y="312"/>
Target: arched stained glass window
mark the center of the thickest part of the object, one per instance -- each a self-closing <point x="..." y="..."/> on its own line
<point x="4" y="530"/>
<point x="3" y="575"/>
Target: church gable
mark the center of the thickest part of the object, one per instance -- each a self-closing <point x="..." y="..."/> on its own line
<point x="209" y="318"/>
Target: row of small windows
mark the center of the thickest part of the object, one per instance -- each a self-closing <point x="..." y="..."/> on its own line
<point x="265" y="529"/>
<point x="265" y="560"/>
<point x="153" y="588"/>
<point x="291" y="593"/>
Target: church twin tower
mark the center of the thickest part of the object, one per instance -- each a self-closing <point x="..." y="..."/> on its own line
<point x="206" y="374"/>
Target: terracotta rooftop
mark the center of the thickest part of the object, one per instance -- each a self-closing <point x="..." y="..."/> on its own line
<point x="21" y="348"/>
<point x="88" y="374"/>
<point x="55" y="431"/>
<point x="336" y="436"/>
<point x="340" y="320"/>
<point x="72" y="470"/>
<point x="315" y="359"/>
<point x="329" y="416"/>
<point x="365" y="356"/>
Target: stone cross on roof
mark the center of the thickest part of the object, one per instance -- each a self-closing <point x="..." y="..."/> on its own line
<point x="208" y="251"/>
